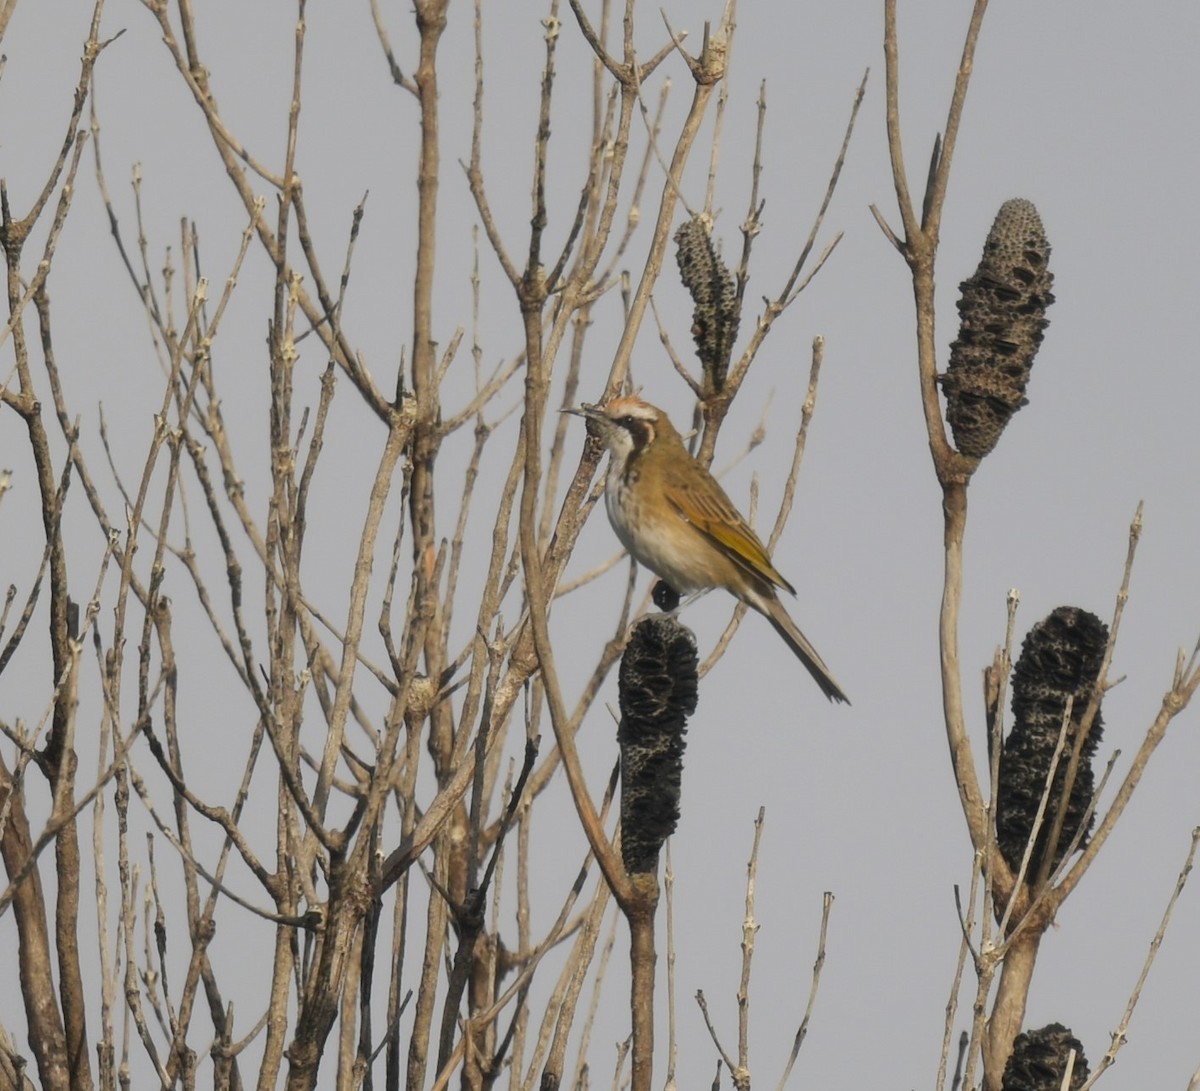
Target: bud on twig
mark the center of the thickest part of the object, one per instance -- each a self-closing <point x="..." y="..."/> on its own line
<point x="657" y="685"/>
<point x="1003" y="311"/>
<point x="1039" y="1060"/>
<point x="1060" y="661"/>
<point x="715" y="317"/>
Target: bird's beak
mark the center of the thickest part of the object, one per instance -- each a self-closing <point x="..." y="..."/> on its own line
<point x="594" y="416"/>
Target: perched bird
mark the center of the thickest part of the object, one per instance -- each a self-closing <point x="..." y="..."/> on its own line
<point x="674" y="518"/>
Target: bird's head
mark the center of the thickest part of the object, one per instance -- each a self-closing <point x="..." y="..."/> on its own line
<point x="626" y="425"/>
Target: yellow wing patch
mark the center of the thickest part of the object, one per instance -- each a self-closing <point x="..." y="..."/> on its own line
<point x="713" y="514"/>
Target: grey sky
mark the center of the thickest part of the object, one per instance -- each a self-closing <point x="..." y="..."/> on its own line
<point x="1089" y="110"/>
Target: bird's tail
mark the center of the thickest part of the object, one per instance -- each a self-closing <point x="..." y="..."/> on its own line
<point x="773" y="609"/>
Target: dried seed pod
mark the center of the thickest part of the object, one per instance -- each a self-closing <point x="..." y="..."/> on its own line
<point x="1003" y="321"/>
<point x="657" y="687"/>
<point x="715" y="316"/>
<point x="1039" y="1060"/>
<point x="1060" y="660"/>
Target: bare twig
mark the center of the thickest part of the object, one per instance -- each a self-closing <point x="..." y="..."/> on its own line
<point x="1118" y="1035"/>
<point x="818" y="966"/>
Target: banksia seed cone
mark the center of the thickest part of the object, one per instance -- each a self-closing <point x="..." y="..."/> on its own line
<point x="1060" y="659"/>
<point x="1003" y="312"/>
<point x="1039" y="1060"/>
<point x="657" y="692"/>
<point x="715" y="316"/>
<point x="664" y="596"/>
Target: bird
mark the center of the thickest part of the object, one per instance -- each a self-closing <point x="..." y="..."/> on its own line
<point x="673" y="518"/>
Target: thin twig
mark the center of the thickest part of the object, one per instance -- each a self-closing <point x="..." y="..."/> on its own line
<point x="1118" y="1035"/>
<point x="818" y="965"/>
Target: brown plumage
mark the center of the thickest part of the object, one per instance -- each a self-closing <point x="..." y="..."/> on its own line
<point x="674" y="518"/>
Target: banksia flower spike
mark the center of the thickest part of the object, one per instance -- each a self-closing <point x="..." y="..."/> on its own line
<point x="1039" y="1060"/>
<point x="1060" y="661"/>
<point x="657" y="688"/>
<point x="1003" y="312"/>
<point x="715" y="316"/>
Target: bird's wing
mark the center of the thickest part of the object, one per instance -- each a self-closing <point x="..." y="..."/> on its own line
<point x="712" y="513"/>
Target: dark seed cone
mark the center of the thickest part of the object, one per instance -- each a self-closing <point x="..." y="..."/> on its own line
<point x="657" y="686"/>
<point x="1039" y="1060"/>
<point x="664" y="596"/>
<point x="1060" y="659"/>
<point x="1003" y="312"/>
<point x="715" y="317"/>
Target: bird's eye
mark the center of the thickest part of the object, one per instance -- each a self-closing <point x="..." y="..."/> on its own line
<point x="626" y="423"/>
